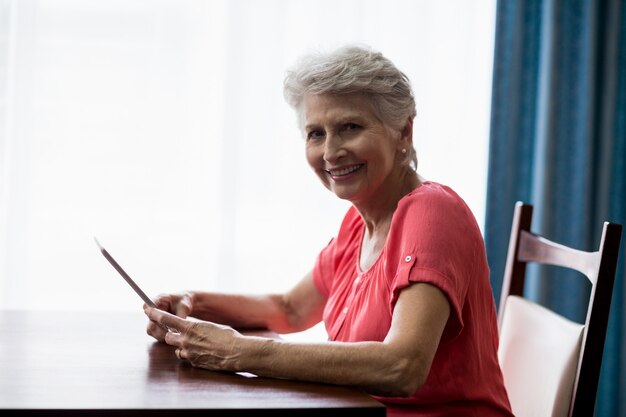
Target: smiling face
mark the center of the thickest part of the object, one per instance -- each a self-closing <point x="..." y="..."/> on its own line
<point x="353" y="153"/>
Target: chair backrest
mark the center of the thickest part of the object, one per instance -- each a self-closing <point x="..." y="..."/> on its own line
<point x="550" y="364"/>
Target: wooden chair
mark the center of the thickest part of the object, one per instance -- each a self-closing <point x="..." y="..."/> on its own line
<point x="550" y="364"/>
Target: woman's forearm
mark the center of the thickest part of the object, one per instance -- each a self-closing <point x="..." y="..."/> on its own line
<point x="295" y="310"/>
<point x="376" y="367"/>
<point x="242" y="311"/>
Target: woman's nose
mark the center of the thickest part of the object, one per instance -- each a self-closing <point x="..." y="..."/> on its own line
<point x="333" y="148"/>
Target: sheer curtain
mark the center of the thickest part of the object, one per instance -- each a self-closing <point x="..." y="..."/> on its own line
<point x="160" y="128"/>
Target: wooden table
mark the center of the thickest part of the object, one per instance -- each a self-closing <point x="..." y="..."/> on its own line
<point x="69" y="363"/>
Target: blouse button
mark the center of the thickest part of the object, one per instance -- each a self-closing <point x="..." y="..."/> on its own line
<point x="358" y="279"/>
<point x="345" y="310"/>
<point x="408" y="258"/>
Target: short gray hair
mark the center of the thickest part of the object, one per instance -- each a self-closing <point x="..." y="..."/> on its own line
<point x="355" y="69"/>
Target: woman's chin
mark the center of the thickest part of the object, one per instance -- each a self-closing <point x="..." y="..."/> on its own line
<point x="344" y="193"/>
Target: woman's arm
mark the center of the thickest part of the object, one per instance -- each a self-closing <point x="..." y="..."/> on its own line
<point x="397" y="366"/>
<point x="296" y="310"/>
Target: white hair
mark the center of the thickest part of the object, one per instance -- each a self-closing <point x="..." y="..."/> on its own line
<point x="355" y="69"/>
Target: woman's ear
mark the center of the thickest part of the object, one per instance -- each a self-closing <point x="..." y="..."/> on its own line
<point x="406" y="135"/>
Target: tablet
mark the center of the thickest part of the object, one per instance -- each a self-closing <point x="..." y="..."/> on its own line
<point x="124" y="275"/>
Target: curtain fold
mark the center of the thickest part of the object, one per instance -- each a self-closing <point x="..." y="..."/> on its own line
<point x="558" y="141"/>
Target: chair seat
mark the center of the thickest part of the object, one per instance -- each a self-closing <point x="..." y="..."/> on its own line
<point x="537" y="344"/>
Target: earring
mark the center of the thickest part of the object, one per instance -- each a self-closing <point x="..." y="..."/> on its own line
<point x="403" y="150"/>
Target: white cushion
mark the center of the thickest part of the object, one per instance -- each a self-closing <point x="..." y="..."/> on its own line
<point x="538" y="354"/>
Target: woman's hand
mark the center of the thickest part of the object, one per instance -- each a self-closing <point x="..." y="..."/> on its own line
<point x="178" y="304"/>
<point x="204" y="344"/>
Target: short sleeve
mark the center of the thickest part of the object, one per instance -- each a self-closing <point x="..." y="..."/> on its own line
<point x="437" y="242"/>
<point x="323" y="271"/>
<point x="409" y="273"/>
<point x="337" y="252"/>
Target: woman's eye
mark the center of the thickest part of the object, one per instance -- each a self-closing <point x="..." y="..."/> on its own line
<point x="315" y="134"/>
<point x="350" y="126"/>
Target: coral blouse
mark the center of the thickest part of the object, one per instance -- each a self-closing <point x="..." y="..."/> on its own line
<point x="433" y="238"/>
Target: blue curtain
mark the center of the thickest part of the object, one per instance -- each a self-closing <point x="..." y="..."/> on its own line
<point x="558" y="141"/>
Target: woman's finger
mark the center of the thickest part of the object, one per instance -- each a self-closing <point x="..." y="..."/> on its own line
<point x="164" y="302"/>
<point x="156" y="331"/>
<point x="174" y="339"/>
<point x="172" y="322"/>
<point x="179" y="353"/>
<point x="183" y="307"/>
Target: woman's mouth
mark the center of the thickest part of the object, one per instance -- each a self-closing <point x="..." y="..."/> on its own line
<point x="336" y="173"/>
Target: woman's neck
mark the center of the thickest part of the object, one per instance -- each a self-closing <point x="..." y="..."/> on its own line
<point x="377" y="212"/>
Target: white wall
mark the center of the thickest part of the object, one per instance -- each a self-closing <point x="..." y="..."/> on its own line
<point x="160" y="127"/>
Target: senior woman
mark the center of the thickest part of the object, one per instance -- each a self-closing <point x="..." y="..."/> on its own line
<point x="403" y="288"/>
